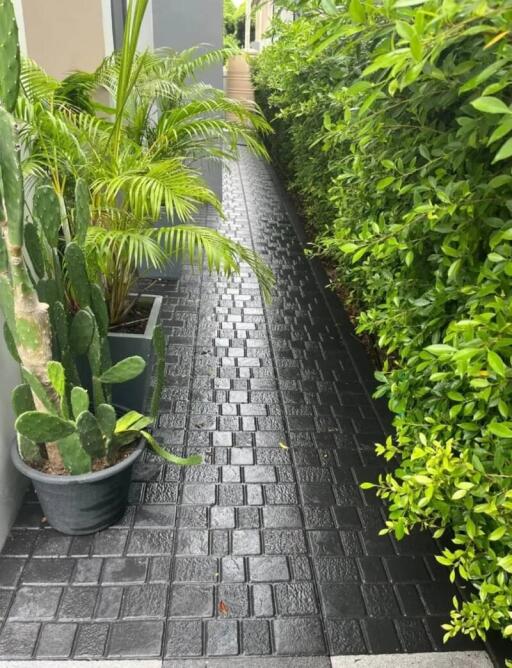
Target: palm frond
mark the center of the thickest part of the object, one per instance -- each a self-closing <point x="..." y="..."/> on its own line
<point x="36" y="84"/>
<point x="145" y="189"/>
<point x="220" y="253"/>
<point x="131" y="248"/>
<point x="200" y="128"/>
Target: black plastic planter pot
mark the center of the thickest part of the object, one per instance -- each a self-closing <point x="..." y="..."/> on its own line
<point x="82" y="504"/>
<point x="133" y="394"/>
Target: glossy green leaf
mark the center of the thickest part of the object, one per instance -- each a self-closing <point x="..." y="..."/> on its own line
<point x="491" y="105"/>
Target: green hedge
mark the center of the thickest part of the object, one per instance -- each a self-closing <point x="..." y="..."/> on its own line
<point x="394" y="125"/>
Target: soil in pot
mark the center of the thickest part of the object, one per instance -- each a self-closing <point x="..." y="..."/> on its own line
<point x="135" y="320"/>
<point x="44" y="466"/>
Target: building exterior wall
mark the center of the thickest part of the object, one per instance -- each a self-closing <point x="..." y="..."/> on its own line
<point x="181" y="25"/>
<point x="263" y="18"/>
<point x="65" y="36"/>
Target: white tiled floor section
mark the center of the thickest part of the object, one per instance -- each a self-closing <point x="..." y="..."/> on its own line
<point x="424" y="660"/>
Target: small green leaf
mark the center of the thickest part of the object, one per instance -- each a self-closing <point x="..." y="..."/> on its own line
<point x="408" y="3"/>
<point x="496" y="363"/>
<point x="504" y="152"/>
<point x="440" y="349"/>
<point x="57" y="377"/>
<point x="329" y="7"/>
<point x="43" y="427"/>
<point x="90" y="435"/>
<point x="357" y="11"/>
<point x="501" y="429"/>
<point x="75" y="459"/>
<point x="123" y="371"/>
<point x="79" y="401"/>
<point x="132" y="421"/>
<point x="349" y="247"/>
<point x="382" y="184"/>
<point x="491" y="105"/>
<point x="498" y="533"/>
<point x="506" y="563"/>
<point x="106" y="417"/>
<point x="81" y="332"/>
<point x="192" y="460"/>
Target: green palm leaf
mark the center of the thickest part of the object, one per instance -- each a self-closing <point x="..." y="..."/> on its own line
<point x="220" y="253"/>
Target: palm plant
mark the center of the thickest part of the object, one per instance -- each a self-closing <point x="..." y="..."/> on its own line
<point x="140" y="156"/>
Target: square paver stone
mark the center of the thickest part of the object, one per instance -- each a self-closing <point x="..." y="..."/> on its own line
<point x="198" y="494"/>
<point x="301" y="636"/>
<point x="192" y="542"/>
<point x="296" y="598"/>
<point x="91" y="640"/>
<point x="147" y="600"/>
<point x="221" y="638"/>
<point x="10" y="570"/>
<point x="246" y="541"/>
<point x="184" y="638"/>
<point x="127" y="570"/>
<point x="268" y="569"/>
<point x="342" y="600"/>
<point x="256" y="637"/>
<point x="155" y="515"/>
<point x="47" y="571"/>
<point x="17" y="640"/>
<point x="136" y="639"/>
<point x="191" y="600"/>
<point x="196" y="569"/>
<point x="56" y="641"/>
<point x="151" y="542"/>
<point x="34" y="603"/>
<point x="282" y="517"/>
<point x="317" y="493"/>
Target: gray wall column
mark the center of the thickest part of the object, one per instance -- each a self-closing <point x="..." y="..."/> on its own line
<point x="181" y="24"/>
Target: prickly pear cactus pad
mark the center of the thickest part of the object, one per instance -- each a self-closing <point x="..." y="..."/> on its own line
<point x="9" y="56"/>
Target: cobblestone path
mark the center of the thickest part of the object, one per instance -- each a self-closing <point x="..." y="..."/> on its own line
<point x="270" y="547"/>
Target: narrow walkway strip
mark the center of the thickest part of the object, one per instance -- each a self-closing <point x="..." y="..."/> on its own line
<point x="269" y="551"/>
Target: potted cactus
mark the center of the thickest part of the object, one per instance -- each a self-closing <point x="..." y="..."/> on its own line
<point x="72" y="442"/>
<point x="52" y="223"/>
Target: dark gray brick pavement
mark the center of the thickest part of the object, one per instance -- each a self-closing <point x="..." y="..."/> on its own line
<point x="270" y="548"/>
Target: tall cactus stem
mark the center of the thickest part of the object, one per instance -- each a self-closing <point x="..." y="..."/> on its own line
<point x="32" y="323"/>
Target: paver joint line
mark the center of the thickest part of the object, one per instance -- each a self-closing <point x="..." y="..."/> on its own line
<point x="267" y="554"/>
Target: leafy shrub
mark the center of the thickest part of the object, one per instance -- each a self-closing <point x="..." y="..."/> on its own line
<point x="394" y="121"/>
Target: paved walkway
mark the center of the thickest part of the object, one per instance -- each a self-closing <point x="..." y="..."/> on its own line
<point x="268" y="549"/>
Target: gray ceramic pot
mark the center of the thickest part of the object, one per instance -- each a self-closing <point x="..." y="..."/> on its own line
<point x="133" y="394"/>
<point x="82" y="504"/>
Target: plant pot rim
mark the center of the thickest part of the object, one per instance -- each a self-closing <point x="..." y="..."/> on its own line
<point x="84" y="478"/>
<point x="151" y="321"/>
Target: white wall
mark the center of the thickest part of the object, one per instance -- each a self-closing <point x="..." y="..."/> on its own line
<point x="12" y="485"/>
